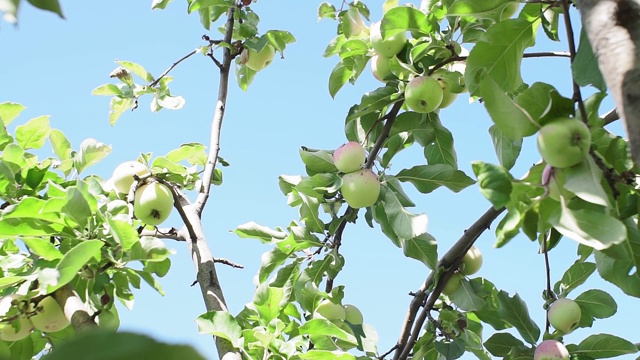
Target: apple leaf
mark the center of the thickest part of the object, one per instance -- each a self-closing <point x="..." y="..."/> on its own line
<point x="543" y="103"/>
<point x="405" y="224"/>
<point x="600" y="346"/>
<point x="48" y="5"/>
<point x="117" y="107"/>
<point x="9" y="111"/>
<point x="494" y="181"/>
<point x="394" y="185"/>
<point x="498" y="55"/>
<point x="317" y="161"/>
<point x="394" y="145"/>
<point x="322" y="327"/>
<point x="404" y="18"/>
<point x="123" y="233"/>
<point x="373" y="101"/>
<point x="60" y="144"/>
<point x="501" y="344"/>
<point x="34" y="133"/>
<point x="623" y="272"/>
<point x="441" y="149"/>
<point x="43" y="248"/>
<point x="514" y="311"/>
<point x="490" y="9"/>
<point x="588" y="227"/>
<point x="325" y="355"/>
<point x="221" y="324"/>
<point x="508" y="227"/>
<point x="26" y="218"/>
<point x="194" y="153"/>
<point x="585" y="180"/>
<point x="267" y="301"/>
<point x="585" y="65"/>
<point x="597" y="303"/>
<point x="423" y="248"/>
<point x="466" y="299"/>
<point x="381" y="217"/>
<point x="339" y="76"/>
<point x="506" y="149"/>
<point x="74" y="260"/>
<point x="270" y="261"/>
<point x="450" y="349"/>
<point x="427" y="178"/>
<point x="264" y="234"/>
<point x="91" y="152"/>
<point x="575" y="276"/>
<point x="418" y="125"/>
<point x="326" y="11"/>
<point x="509" y="117"/>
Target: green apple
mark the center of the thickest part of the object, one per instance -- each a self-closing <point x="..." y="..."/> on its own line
<point x="551" y="350"/>
<point x="423" y="94"/>
<point x="49" y="316"/>
<point x="564" y="315"/>
<point x="448" y="97"/>
<point x="509" y="10"/>
<point x="330" y="311"/>
<point x="388" y="47"/>
<point x="109" y="319"/>
<point x="352" y="24"/>
<point x="564" y="142"/>
<point x="360" y="188"/>
<point x="8" y="331"/>
<point x="380" y="67"/>
<point x="471" y="261"/>
<point x="349" y="157"/>
<point x="153" y="203"/>
<point x="353" y="314"/>
<point x="259" y="60"/>
<point x="453" y="284"/>
<point x="123" y="175"/>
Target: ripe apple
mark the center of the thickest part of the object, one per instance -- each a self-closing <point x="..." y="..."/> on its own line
<point x="423" y="94"/>
<point x="380" y="67"/>
<point x="564" y="142"/>
<point x="153" y="203"/>
<point x="257" y="61"/>
<point x="353" y="314"/>
<point x="330" y="311"/>
<point x="123" y="175"/>
<point x="389" y="47"/>
<point x="551" y="350"/>
<point x="360" y="188"/>
<point x="564" y="314"/>
<point x="349" y="157"/>
<point x="471" y="262"/>
<point x="453" y="284"/>
<point x="49" y="317"/>
<point x="8" y="332"/>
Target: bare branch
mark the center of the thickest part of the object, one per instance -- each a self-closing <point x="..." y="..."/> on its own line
<point x="611" y="116"/>
<point x="228" y="262"/>
<point x="165" y="233"/>
<point x="156" y="81"/>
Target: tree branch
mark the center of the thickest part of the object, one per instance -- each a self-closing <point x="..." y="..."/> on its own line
<point x="156" y="81"/>
<point x="74" y="309"/>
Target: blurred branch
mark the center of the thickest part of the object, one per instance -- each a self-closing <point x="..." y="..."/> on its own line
<point x="74" y="309"/>
<point x="611" y="116"/>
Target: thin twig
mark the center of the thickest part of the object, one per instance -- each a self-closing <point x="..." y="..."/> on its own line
<point x="164" y="233"/>
<point x="548" y="273"/>
<point x="156" y="81"/>
<point x="228" y="262"/>
<point x="577" y="95"/>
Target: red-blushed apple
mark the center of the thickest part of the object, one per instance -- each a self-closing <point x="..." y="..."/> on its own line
<point x="153" y="203"/>
<point x="330" y="311"/>
<point x="123" y="175"/>
<point x="551" y="350"/>
<point x="257" y="61"/>
<point x="360" y="188"/>
<point x="349" y="157"/>
<point x="353" y="314"/>
<point x="389" y="47"/>
<point x="564" y="142"/>
<point x="453" y="284"/>
<point x="471" y="262"/>
<point x="423" y="94"/>
<point x="8" y="332"/>
<point x="49" y="316"/>
<point x="564" y="315"/>
<point x="380" y="67"/>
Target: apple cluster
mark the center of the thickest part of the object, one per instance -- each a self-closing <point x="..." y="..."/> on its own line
<point x="152" y="202"/>
<point x="47" y="316"/>
<point x="470" y="264"/>
<point x="360" y="187"/>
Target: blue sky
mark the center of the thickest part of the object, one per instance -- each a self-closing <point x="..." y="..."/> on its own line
<point x="52" y="65"/>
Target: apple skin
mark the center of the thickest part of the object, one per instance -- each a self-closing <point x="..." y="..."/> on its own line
<point x="564" y="142"/>
<point x="260" y="60"/>
<point x="123" y="175"/>
<point x="453" y="284"/>
<point x="349" y="157"/>
<point x="8" y="332"/>
<point x="380" y="67"/>
<point x="360" y="188"/>
<point x="330" y="311"/>
<point x="389" y="47"/>
<point x="471" y="261"/>
<point x="51" y="318"/>
<point x="551" y="350"/>
<point x="447" y="96"/>
<point x="353" y="315"/>
<point x="153" y="203"/>
<point x="564" y="315"/>
<point x="423" y="94"/>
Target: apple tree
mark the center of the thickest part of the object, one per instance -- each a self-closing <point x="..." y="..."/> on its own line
<point x="72" y="241"/>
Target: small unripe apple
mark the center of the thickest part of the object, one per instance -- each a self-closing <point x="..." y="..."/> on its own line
<point x="8" y="332"/>
<point x="349" y="157"/>
<point x="257" y="61"/>
<point x="564" y="142"/>
<point x="423" y="94"/>
<point x="551" y="350"/>
<point x="360" y="188"/>
<point x="389" y="47"/>
<point x="153" y="203"/>
<point x="564" y="315"/>
<point x="123" y="175"/>
<point x="453" y="284"/>
<point x="353" y="314"/>
<point x="49" y="316"/>
<point x="447" y="96"/>
<point x="330" y="311"/>
<point x="471" y="262"/>
<point x="380" y="67"/>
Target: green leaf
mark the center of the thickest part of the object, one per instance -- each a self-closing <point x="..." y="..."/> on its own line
<point x="9" y="111"/>
<point x="427" y="178"/>
<point x="325" y="355"/>
<point x="160" y="4"/>
<point x="61" y="145"/>
<point x="136" y="69"/>
<point x="543" y="103"/>
<point x="43" y="248"/>
<point x="91" y="152"/>
<point x="588" y="227"/>
<point x="265" y="234"/>
<point x="597" y="303"/>
<point x="339" y="76"/>
<point x="74" y="260"/>
<point x="405" y="18"/>
<point x="270" y="261"/>
<point x="508" y="116"/>
<point x="117" y="107"/>
<point x="622" y="272"/>
<point x="501" y="344"/>
<point x="326" y="11"/>
<point x="585" y="180"/>
<point x="34" y="133"/>
<point x="373" y="101"/>
<point x="48" y="5"/>
<point x="575" y="276"/>
<point x="601" y="346"/>
<point x="405" y="224"/>
<point x="380" y="216"/>
<point x="495" y="182"/>
<point x="441" y="150"/>
<point x="423" y="248"/>
<point x="487" y="9"/>
<point x="585" y="65"/>
<point x="268" y="301"/>
<point x="221" y="324"/>
<point x="194" y="153"/>
<point x="107" y="90"/>
<point x="514" y="311"/>
<point x="506" y="149"/>
<point x="123" y="233"/>
<point x="322" y="327"/>
<point x="317" y="161"/>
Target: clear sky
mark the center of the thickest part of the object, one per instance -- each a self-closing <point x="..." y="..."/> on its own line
<point x="51" y="66"/>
